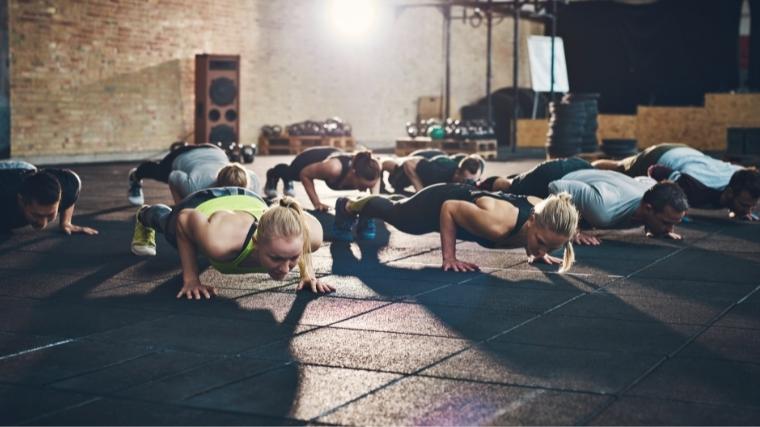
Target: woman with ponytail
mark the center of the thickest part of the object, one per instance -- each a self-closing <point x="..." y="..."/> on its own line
<point x="491" y="219"/>
<point x="237" y="232"/>
<point x="339" y="170"/>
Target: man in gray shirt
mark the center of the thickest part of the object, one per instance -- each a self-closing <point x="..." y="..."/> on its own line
<point x="605" y="199"/>
<point x="608" y="199"/>
<point x="189" y="169"/>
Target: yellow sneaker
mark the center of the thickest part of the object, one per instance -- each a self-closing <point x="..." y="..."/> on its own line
<point x="144" y="239"/>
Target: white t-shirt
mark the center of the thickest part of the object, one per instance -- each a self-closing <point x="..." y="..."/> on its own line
<point x="709" y="171"/>
<point x="605" y="199"/>
<point x="197" y="170"/>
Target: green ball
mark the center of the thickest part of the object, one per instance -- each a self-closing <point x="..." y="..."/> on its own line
<point x="436" y="132"/>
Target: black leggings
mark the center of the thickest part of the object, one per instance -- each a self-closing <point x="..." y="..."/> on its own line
<point x="292" y="171"/>
<point x="160" y="170"/>
<point x="535" y="182"/>
<point x="418" y="214"/>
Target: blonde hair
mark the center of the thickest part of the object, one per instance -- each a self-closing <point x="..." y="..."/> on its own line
<point x="558" y="214"/>
<point x="232" y="175"/>
<point x="287" y="219"/>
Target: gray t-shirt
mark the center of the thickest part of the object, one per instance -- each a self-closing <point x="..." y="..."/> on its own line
<point x="711" y="172"/>
<point x="605" y="199"/>
<point x="197" y="170"/>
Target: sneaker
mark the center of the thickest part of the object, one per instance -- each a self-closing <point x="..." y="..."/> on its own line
<point x="143" y="240"/>
<point x="343" y="221"/>
<point x="366" y="229"/>
<point x="270" y="188"/>
<point x="289" y="189"/>
<point x="135" y="192"/>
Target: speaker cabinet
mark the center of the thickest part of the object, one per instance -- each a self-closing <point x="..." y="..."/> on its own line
<point x="217" y="98"/>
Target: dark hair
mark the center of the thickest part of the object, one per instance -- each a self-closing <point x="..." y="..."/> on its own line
<point x="365" y="166"/>
<point x="745" y="180"/>
<point x="473" y="164"/>
<point x="666" y="193"/>
<point x="41" y="187"/>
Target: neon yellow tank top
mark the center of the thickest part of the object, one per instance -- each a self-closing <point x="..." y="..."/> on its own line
<point x="251" y="205"/>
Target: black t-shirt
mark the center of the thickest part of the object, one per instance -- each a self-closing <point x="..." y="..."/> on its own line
<point x="10" y="184"/>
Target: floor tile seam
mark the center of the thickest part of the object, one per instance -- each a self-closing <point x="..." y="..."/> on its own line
<point x="697" y="357"/>
<point x="691" y="402"/>
<point x="573" y="348"/>
<point x="652" y="321"/>
<point x="516" y="385"/>
<point x="537" y="316"/>
<point x="277" y="365"/>
<point x="33" y="241"/>
<point x="471" y="345"/>
<point x="212" y="359"/>
<point x="32" y="420"/>
<point x="37" y="348"/>
<point x="100" y="368"/>
<point x="175" y="404"/>
<point x="298" y="334"/>
<point x="99" y="336"/>
<point x="409" y="334"/>
<point x="464" y="306"/>
<point x="626" y="388"/>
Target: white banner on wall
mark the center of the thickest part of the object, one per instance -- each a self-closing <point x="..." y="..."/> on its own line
<point x="539" y="53"/>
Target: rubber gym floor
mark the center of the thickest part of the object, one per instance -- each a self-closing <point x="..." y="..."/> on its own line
<point x="642" y="331"/>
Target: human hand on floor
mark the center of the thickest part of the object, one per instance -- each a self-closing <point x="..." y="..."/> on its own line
<point x="315" y="285"/>
<point x="321" y="207"/>
<point x="671" y="235"/>
<point x="461" y="266"/>
<point x="193" y="289"/>
<point x="547" y="259"/>
<point x="586" y="239"/>
<point x="748" y="217"/>
<point x="70" y="229"/>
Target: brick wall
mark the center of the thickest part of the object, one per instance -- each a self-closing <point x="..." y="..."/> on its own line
<point x="107" y="76"/>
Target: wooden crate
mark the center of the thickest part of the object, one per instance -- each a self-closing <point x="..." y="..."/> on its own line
<point x="296" y="144"/>
<point x="688" y="125"/>
<point x="616" y="126"/>
<point x="275" y="145"/>
<point x="532" y="133"/>
<point x="404" y="146"/>
<point x="486" y="148"/>
<point x="301" y="142"/>
<point x="346" y="143"/>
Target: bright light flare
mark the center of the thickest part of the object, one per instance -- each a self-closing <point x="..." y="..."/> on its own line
<point x="352" y="19"/>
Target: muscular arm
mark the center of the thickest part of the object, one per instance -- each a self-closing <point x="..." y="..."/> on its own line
<point x="69" y="228"/>
<point x="480" y="219"/>
<point x="326" y="171"/>
<point x="192" y="229"/>
<point x="410" y="169"/>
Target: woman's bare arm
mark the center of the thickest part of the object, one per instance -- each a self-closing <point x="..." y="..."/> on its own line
<point x="326" y="171"/>
<point x="480" y="219"/>
<point x="192" y="229"/>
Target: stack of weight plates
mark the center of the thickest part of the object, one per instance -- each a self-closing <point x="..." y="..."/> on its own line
<point x="589" y="143"/>
<point x="566" y="128"/>
<point x="619" y="148"/>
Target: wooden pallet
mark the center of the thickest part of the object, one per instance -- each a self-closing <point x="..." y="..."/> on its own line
<point x="296" y="144"/>
<point x="405" y="146"/>
<point x="485" y="148"/>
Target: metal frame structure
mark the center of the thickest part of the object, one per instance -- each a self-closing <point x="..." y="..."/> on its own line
<point x="542" y="10"/>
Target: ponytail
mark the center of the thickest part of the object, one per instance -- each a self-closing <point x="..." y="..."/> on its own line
<point x="287" y="219"/>
<point x="558" y="214"/>
<point x="365" y="166"/>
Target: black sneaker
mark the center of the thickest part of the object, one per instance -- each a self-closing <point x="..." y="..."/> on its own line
<point x="135" y="192"/>
<point x="343" y="221"/>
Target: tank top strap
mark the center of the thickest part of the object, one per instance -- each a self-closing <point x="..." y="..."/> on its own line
<point x="524" y="207"/>
<point x="345" y="163"/>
